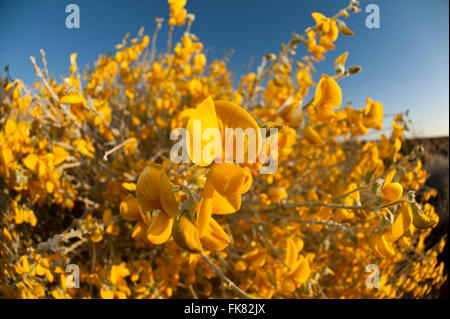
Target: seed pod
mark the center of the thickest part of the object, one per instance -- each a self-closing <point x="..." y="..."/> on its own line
<point x="420" y="220"/>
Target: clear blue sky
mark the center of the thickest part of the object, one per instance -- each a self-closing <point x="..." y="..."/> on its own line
<point x="405" y="62"/>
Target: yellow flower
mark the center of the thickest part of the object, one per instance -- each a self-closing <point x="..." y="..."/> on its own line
<point x="328" y="96"/>
<point x="339" y="63"/>
<point x="186" y="233"/>
<point x="85" y="147"/>
<point x="177" y="12"/>
<point x="391" y="191"/>
<point x="326" y="26"/>
<point x="277" y="193"/>
<point x="382" y="248"/>
<point x="401" y="223"/>
<point x="223" y="116"/>
<point x="298" y="266"/>
<point x="224" y="186"/>
<point x="312" y="136"/>
<point x="129" y="208"/>
<point x="154" y="194"/>
<point x="373" y="115"/>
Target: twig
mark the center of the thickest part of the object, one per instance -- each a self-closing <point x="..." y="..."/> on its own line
<point x="115" y="148"/>
<point x="339" y="206"/>
<point x="232" y="285"/>
<point x="155" y="36"/>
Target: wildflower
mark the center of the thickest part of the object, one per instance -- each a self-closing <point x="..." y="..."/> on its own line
<point x="391" y="191"/>
<point x="277" y="193"/>
<point x="327" y="97"/>
<point x="401" y="223"/>
<point x="312" y="136"/>
<point x="222" y="116"/>
<point x="382" y="248"/>
<point x="224" y="186"/>
<point x="186" y="232"/>
<point x="154" y="194"/>
<point x="298" y="266"/>
<point x="373" y="115"/>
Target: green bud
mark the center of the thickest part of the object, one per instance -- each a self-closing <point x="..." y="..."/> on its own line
<point x="354" y="69"/>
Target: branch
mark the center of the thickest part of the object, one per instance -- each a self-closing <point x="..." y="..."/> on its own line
<point x="219" y="272"/>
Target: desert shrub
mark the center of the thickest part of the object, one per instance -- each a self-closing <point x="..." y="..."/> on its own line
<point x="87" y="179"/>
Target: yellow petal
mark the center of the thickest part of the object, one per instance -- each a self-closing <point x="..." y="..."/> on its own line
<point x="318" y="17"/>
<point x="291" y="253"/>
<point x="129" y="208"/>
<point x="401" y="223"/>
<point x="139" y="230"/>
<point x="312" y="136"/>
<point x="340" y="61"/>
<point x="215" y="238"/>
<point x="147" y="188"/>
<point x="129" y="187"/>
<point x="205" y="115"/>
<point x="204" y="214"/>
<point x="393" y="192"/>
<point x="73" y="99"/>
<point x="31" y="161"/>
<point x="328" y="93"/>
<point x="277" y="193"/>
<point x="168" y="200"/>
<point x="384" y="248"/>
<point x="60" y="154"/>
<point x="302" y="272"/>
<point x="226" y="204"/>
<point x="388" y="178"/>
<point x="345" y="30"/>
<point x="227" y="178"/>
<point x="160" y="229"/>
<point x="231" y="115"/>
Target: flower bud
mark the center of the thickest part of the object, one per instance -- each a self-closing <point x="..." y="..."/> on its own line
<point x="354" y="69"/>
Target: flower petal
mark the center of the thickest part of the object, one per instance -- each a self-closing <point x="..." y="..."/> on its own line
<point x="215" y="238"/>
<point x="204" y="115"/>
<point x="160" y="229"/>
<point x="204" y="214"/>
<point x="226" y="204"/>
<point x="147" y="188"/>
<point x="185" y="234"/>
<point x="233" y="116"/>
<point x="401" y="223"/>
<point x="168" y="200"/>
<point x="227" y="178"/>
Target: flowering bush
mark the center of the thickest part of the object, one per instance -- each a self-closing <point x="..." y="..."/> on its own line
<point x="87" y="180"/>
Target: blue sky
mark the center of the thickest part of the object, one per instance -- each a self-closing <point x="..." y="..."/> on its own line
<point x="404" y="63"/>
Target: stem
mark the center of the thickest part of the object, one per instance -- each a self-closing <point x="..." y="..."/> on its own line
<point x="318" y="204"/>
<point x="169" y="39"/>
<point x="224" y="278"/>
<point x="155" y="36"/>
<point x="105" y="157"/>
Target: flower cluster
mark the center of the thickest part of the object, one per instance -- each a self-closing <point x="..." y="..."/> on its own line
<point x="87" y="179"/>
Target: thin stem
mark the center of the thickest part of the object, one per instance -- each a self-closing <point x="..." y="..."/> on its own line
<point x="224" y="278"/>
<point x="105" y="157"/>
<point x="169" y="39"/>
<point x="339" y="206"/>
<point x="155" y="36"/>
